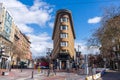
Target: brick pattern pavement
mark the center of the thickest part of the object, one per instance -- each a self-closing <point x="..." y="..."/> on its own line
<point x="16" y="74"/>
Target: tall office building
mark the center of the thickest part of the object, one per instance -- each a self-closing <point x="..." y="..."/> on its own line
<point x="6" y="22"/>
<point x="13" y="43"/>
<point x="63" y="38"/>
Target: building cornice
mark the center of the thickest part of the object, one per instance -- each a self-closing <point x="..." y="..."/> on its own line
<point x="26" y="37"/>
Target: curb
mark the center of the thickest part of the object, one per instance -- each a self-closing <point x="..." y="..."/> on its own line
<point x="96" y="76"/>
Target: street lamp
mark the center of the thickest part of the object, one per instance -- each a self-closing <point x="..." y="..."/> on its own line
<point x="49" y="59"/>
<point x="32" y="69"/>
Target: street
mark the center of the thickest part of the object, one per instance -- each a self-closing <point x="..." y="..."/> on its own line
<point x="111" y="76"/>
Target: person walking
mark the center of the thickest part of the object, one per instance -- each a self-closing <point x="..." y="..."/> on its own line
<point x="54" y="68"/>
<point x="51" y="69"/>
<point x="6" y="64"/>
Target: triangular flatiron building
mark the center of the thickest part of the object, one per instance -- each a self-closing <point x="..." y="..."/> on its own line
<point x="63" y="38"/>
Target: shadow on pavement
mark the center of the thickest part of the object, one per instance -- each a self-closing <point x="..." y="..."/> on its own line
<point x="111" y="76"/>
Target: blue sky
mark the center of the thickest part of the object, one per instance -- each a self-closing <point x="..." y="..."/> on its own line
<point x="35" y="18"/>
<point x="81" y="12"/>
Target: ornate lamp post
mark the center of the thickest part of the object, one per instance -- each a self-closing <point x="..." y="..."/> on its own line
<point x="49" y="58"/>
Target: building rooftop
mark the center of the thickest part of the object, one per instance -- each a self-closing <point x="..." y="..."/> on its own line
<point x="64" y="10"/>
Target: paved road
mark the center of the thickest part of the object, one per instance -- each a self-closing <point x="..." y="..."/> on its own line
<point x="111" y="76"/>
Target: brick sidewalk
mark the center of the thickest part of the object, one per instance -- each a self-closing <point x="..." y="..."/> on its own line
<point x="16" y="73"/>
<point x="26" y="74"/>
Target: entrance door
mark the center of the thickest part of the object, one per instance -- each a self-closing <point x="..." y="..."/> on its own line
<point x="63" y="64"/>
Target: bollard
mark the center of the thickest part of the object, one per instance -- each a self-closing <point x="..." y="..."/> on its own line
<point x="32" y="74"/>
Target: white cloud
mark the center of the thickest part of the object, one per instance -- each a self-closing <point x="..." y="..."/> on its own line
<point x="51" y="24"/>
<point x="94" y="20"/>
<point x="40" y="43"/>
<point x="25" y="28"/>
<point x="39" y="13"/>
<point x="84" y="48"/>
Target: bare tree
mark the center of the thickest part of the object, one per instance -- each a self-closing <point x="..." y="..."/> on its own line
<point x="17" y="51"/>
<point x="108" y="33"/>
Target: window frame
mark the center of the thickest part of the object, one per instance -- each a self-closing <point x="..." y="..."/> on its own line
<point x="63" y="35"/>
<point x="64" y="27"/>
<point x="63" y="19"/>
<point x="64" y="44"/>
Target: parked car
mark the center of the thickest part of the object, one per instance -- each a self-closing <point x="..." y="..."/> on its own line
<point x="44" y="65"/>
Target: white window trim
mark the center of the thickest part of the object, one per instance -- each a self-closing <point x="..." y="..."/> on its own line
<point x="63" y="44"/>
<point x="64" y="19"/>
<point x="64" y="35"/>
<point x="61" y="27"/>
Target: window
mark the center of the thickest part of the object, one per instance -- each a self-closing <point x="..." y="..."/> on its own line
<point x="63" y="35"/>
<point x="64" y="27"/>
<point x="64" y="44"/>
<point x="64" y="19"/>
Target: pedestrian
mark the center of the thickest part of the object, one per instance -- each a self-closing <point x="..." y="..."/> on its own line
<point x="3" y="63"/>
<point x="13" y="63"/>
<point x="39" y="69"/>
<point x="83" y="67"/>
<point x="54" y="70"/>
<point x="49" y="70"/>
<point x="7" y="64"/>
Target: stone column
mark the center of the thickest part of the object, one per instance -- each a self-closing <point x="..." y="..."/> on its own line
<point x="86" y="65"/>
<point x="68" y="64"/>
<point x="60" y="64"/>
